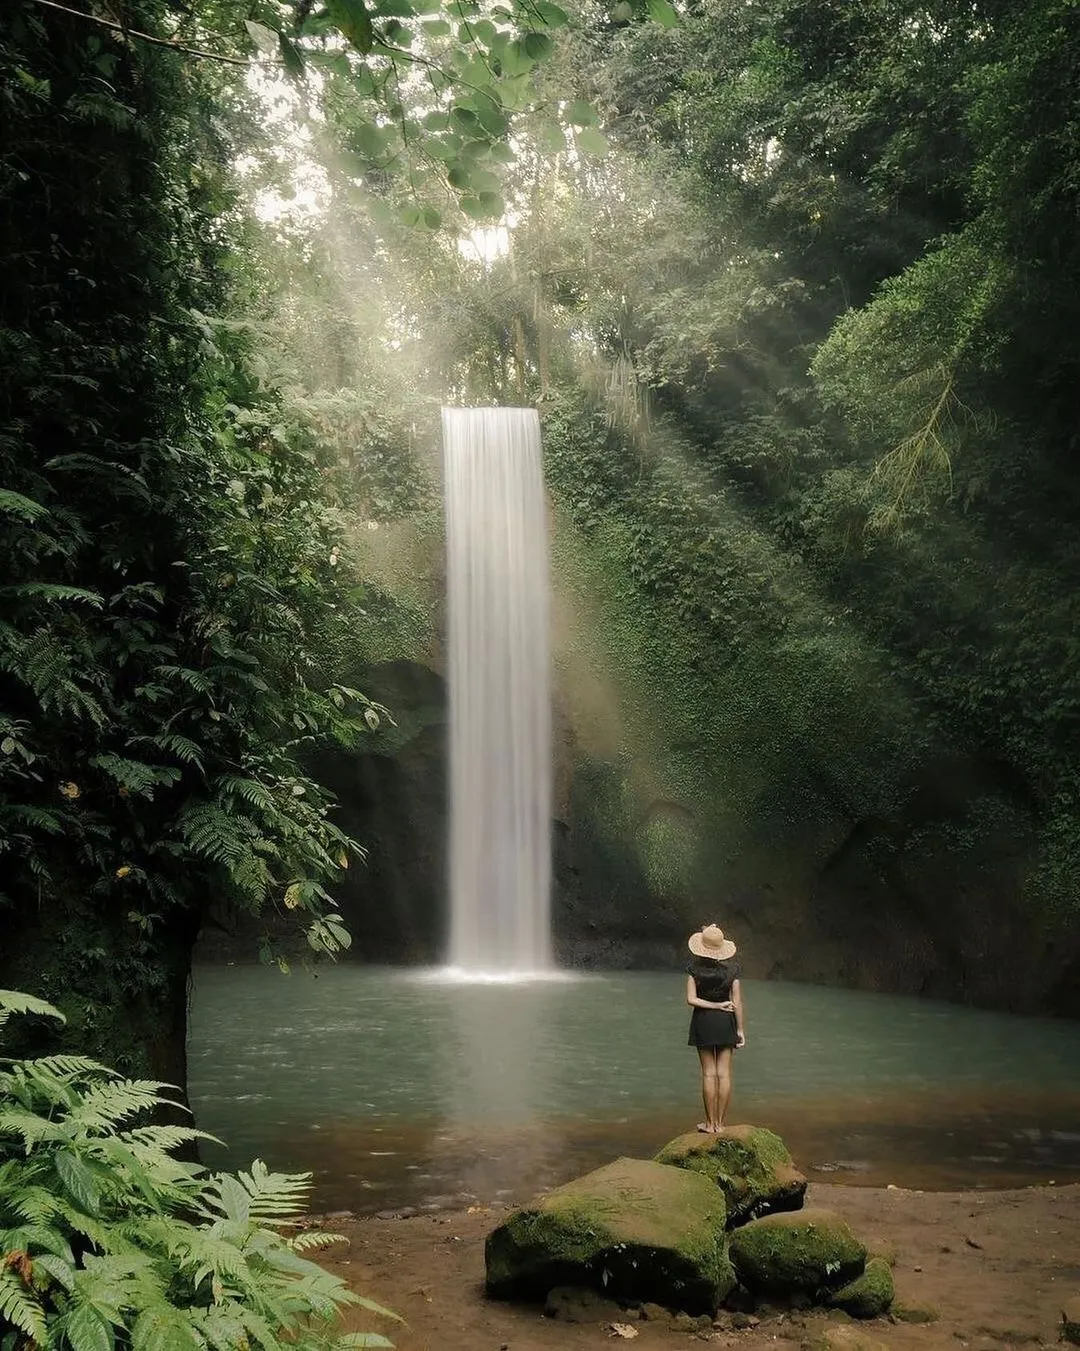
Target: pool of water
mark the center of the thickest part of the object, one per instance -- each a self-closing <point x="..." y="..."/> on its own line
<point x="397" y="1088"/>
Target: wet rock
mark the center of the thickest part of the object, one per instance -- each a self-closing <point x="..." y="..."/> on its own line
<point x="572" y="1304"/>
<point x="914" y="1313"/>
<point x="1070" y="1321"/>
<point x="742" y="1322"/>
<point x="868" y="1295"/>
<point x="634" y="1230"/>
<point x="684" y="1322"/>
<point x="808" y="1251"/>
<point x="751" y="1166"/>
<point x="656" y="1313"/>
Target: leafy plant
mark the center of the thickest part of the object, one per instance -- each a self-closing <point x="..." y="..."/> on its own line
<point x="110" y="1243"/>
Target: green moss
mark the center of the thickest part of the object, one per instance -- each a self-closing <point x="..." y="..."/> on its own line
<point x="750" y="1164"/>
<point x="869" y="1295"/>
<point x="807" y="1251"/>
<point x="912" y="1313"/>
<point x="636" y="1230"/>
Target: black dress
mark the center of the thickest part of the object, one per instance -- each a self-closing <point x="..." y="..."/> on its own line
<point x="714" y="979"/>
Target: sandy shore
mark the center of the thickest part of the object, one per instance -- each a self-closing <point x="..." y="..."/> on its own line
<point x="994" y="1267"/>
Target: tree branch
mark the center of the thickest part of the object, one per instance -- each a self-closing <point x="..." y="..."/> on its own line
<point x="144" y="37"/>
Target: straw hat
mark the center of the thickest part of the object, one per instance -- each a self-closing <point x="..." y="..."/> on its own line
<point x="710" y="942"/>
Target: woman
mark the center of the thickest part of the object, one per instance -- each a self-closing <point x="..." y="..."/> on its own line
<point x="716" y="1024"/>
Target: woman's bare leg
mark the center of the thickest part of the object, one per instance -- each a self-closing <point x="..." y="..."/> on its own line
<point x="723" y="1084"/>
<point x="709" y="1089"/>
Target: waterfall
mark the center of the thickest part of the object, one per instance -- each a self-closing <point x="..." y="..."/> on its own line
<point x="500" y="699"/>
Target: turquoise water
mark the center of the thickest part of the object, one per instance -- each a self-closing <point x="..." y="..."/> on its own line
<point x="396" y="1088"/>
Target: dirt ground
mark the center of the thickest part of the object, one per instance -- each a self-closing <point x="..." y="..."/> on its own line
<point x="995" y="1267"/>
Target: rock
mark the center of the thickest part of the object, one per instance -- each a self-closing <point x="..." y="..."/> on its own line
<point x="868" y="1295"/>
<point x="572" y="1304"/>
<point x="809" y="1250"/>
<point x="743" y="1321"/>
<point x="655" y="1313"/>
<point x="912" y="1313"/>
<point x="634" y="1230"/>
<point x="1070" y="1321"/>
<point x="684" y="1322"/>
<point x="750" y="1164"/>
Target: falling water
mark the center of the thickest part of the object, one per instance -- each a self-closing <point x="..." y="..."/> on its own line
<point x="500" y="710"/>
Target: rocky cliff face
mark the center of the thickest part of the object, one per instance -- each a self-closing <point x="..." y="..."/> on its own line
<point x="925" y="900"/>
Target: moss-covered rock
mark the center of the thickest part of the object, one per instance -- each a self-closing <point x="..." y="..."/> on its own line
<point x="811" y="1250"/>
<point x="635" y="1230"/>
<point x="750" y="1164"/>
<point x="868" y="1295"/>
<point x="915" y="1313"/>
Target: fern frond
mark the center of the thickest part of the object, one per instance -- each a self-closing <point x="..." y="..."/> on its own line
<point x="19" y="1308"/>
<point x="195" y="680"/>
<point x="104" y="1106"/>
<point x="313" y="1239"/>
<point x="251" y="791"/>
<point x="185" y="750"/>
<point x="64" y="1066"/>
<point x="14" y="1001"/>
<point x="211" y="833"/>
<point x="136" y="777"/>
<point x="52" y="591"/>
<point x="259" y="1194"/>
<point x="15" y="504"/>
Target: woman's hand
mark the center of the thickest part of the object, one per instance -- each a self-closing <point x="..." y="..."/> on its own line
<point x="727" y="1006"/>
<point x="740" y="1039"/>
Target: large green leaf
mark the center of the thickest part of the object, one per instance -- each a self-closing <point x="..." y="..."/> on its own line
<point x="352" y="17"/>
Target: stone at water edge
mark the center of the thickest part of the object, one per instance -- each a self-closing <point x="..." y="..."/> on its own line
<point x="750" y="1164"/>
<point x="808" y="1250"/>
<point x="633" y="1230"/>
<point x="1070" y="1320"/>
<point x="869" y="1295"/>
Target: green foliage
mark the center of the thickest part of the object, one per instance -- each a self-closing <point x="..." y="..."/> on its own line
<point x="109" y="1242"/>
<point x="171" y="544"/>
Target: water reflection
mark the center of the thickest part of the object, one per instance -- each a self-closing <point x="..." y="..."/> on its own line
<point x="398" y="1091"/>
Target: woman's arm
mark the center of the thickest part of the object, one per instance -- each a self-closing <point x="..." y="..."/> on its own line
<point x="736" y="1000"/>
<point x="696" y="1003"/>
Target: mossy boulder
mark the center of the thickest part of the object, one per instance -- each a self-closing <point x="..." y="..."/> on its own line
<point x="810" y="1250"/>
<point x="868" y="1295"/>
<point x="635" y="1230"/>
<point x="751" y="1166"/>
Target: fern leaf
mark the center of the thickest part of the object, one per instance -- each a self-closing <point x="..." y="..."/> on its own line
<point x="251" y="791"/>
<point x="14" y="1001"/>
<point x="15" y="504"/>
<point x="106" y="1105"/>
<point x="350" y="1341"/>
<point x="185" y="750"/>
<point x="195" y="680"/>
<point x="62" y="1272"/>
<point x="78" y="1180"/>
<point x="65" y="1066"/>
<point x="88" y="1329"/>
<point x="312" y="1239"/>
<point x="20" y="1309"/>
<point x="52" y="591"/>
<point x="133" y="775"/>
